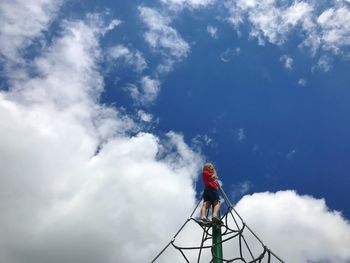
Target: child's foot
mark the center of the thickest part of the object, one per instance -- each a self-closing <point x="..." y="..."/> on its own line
<point x="205" y="221"/>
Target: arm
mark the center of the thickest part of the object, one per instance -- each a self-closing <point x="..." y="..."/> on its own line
<point x="213" y="177"/>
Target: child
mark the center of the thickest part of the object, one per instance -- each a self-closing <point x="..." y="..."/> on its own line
<point x="210" y="195"/>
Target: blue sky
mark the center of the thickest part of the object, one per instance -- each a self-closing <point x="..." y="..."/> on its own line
<point x="295" y="135"/>
<point x="101" y="98"/>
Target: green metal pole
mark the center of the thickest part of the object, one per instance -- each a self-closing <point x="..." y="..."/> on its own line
<point x="217" y="249"/>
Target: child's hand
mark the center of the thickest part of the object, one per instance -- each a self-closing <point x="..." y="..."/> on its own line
<point x="214" y="177"/>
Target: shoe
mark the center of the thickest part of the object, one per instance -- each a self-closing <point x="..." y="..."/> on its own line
<point x="205" y="221"/>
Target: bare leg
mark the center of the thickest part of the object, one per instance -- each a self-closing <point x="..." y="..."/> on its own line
<point x="204" y="209"/>
<point x="216" y="208"/>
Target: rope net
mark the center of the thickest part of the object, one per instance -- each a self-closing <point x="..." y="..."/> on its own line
<point x="196" y="242"/>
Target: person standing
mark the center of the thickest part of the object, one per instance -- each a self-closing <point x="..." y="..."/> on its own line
<point x="211" y="194"/>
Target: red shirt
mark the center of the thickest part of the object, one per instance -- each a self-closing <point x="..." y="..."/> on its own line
<point x="206" y="179"/>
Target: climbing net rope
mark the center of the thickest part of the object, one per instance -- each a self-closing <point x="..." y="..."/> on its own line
<point x="241" y="244"/>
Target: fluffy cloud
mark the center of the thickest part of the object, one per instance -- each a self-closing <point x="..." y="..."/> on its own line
<point x="287" y="62"/>
<point x="167" y="42"/>
<point x="160" y="35"/>
<point x="75" y="186"/>
<point x="124" y="55"/>
<point x="180" y="4"/>
<point x="274" y="21"/>
<point x="335" y="24"/>
<point x="21" y="22"/>
<point x="213" y="31"/>
<point x="150" y="88"/>
<point x="147" y="92"/>
<point x="270" y="20"/>
<point x="144" y="116"/>
<point x="324" y="63"/>
<point x="297" y="228"/>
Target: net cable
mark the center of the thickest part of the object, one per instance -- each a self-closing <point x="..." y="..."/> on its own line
<point x="239" y="231"/>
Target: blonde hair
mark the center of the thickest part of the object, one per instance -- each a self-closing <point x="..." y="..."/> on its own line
<point x="209" y="166"/>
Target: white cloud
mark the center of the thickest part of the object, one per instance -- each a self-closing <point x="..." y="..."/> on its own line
<point x="161" y="36"/>
<point x="125" y="55"/>
<point x="144" y="116"/>
<point x="113" y="24"/>
<point x="150" y="88"/>
<point x="77" y="187"/>
<point x="335" y="24"/>
<point x="324" y="63"/>
<point x="213" y="31"/>
<point x="275" y="21"/>
<point x="147" y="92"/>
<point x="302" y="82"/>
<point x="269" y="20"/>
<point x="297" y="228"/>
<point x="180" y="4"/>
<point x="229" y="53"/>
<point x="21" y="22"/>
<point x="287" y="62"/>
<point x="88" y="191"/>
<point x="166" y="66"/>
